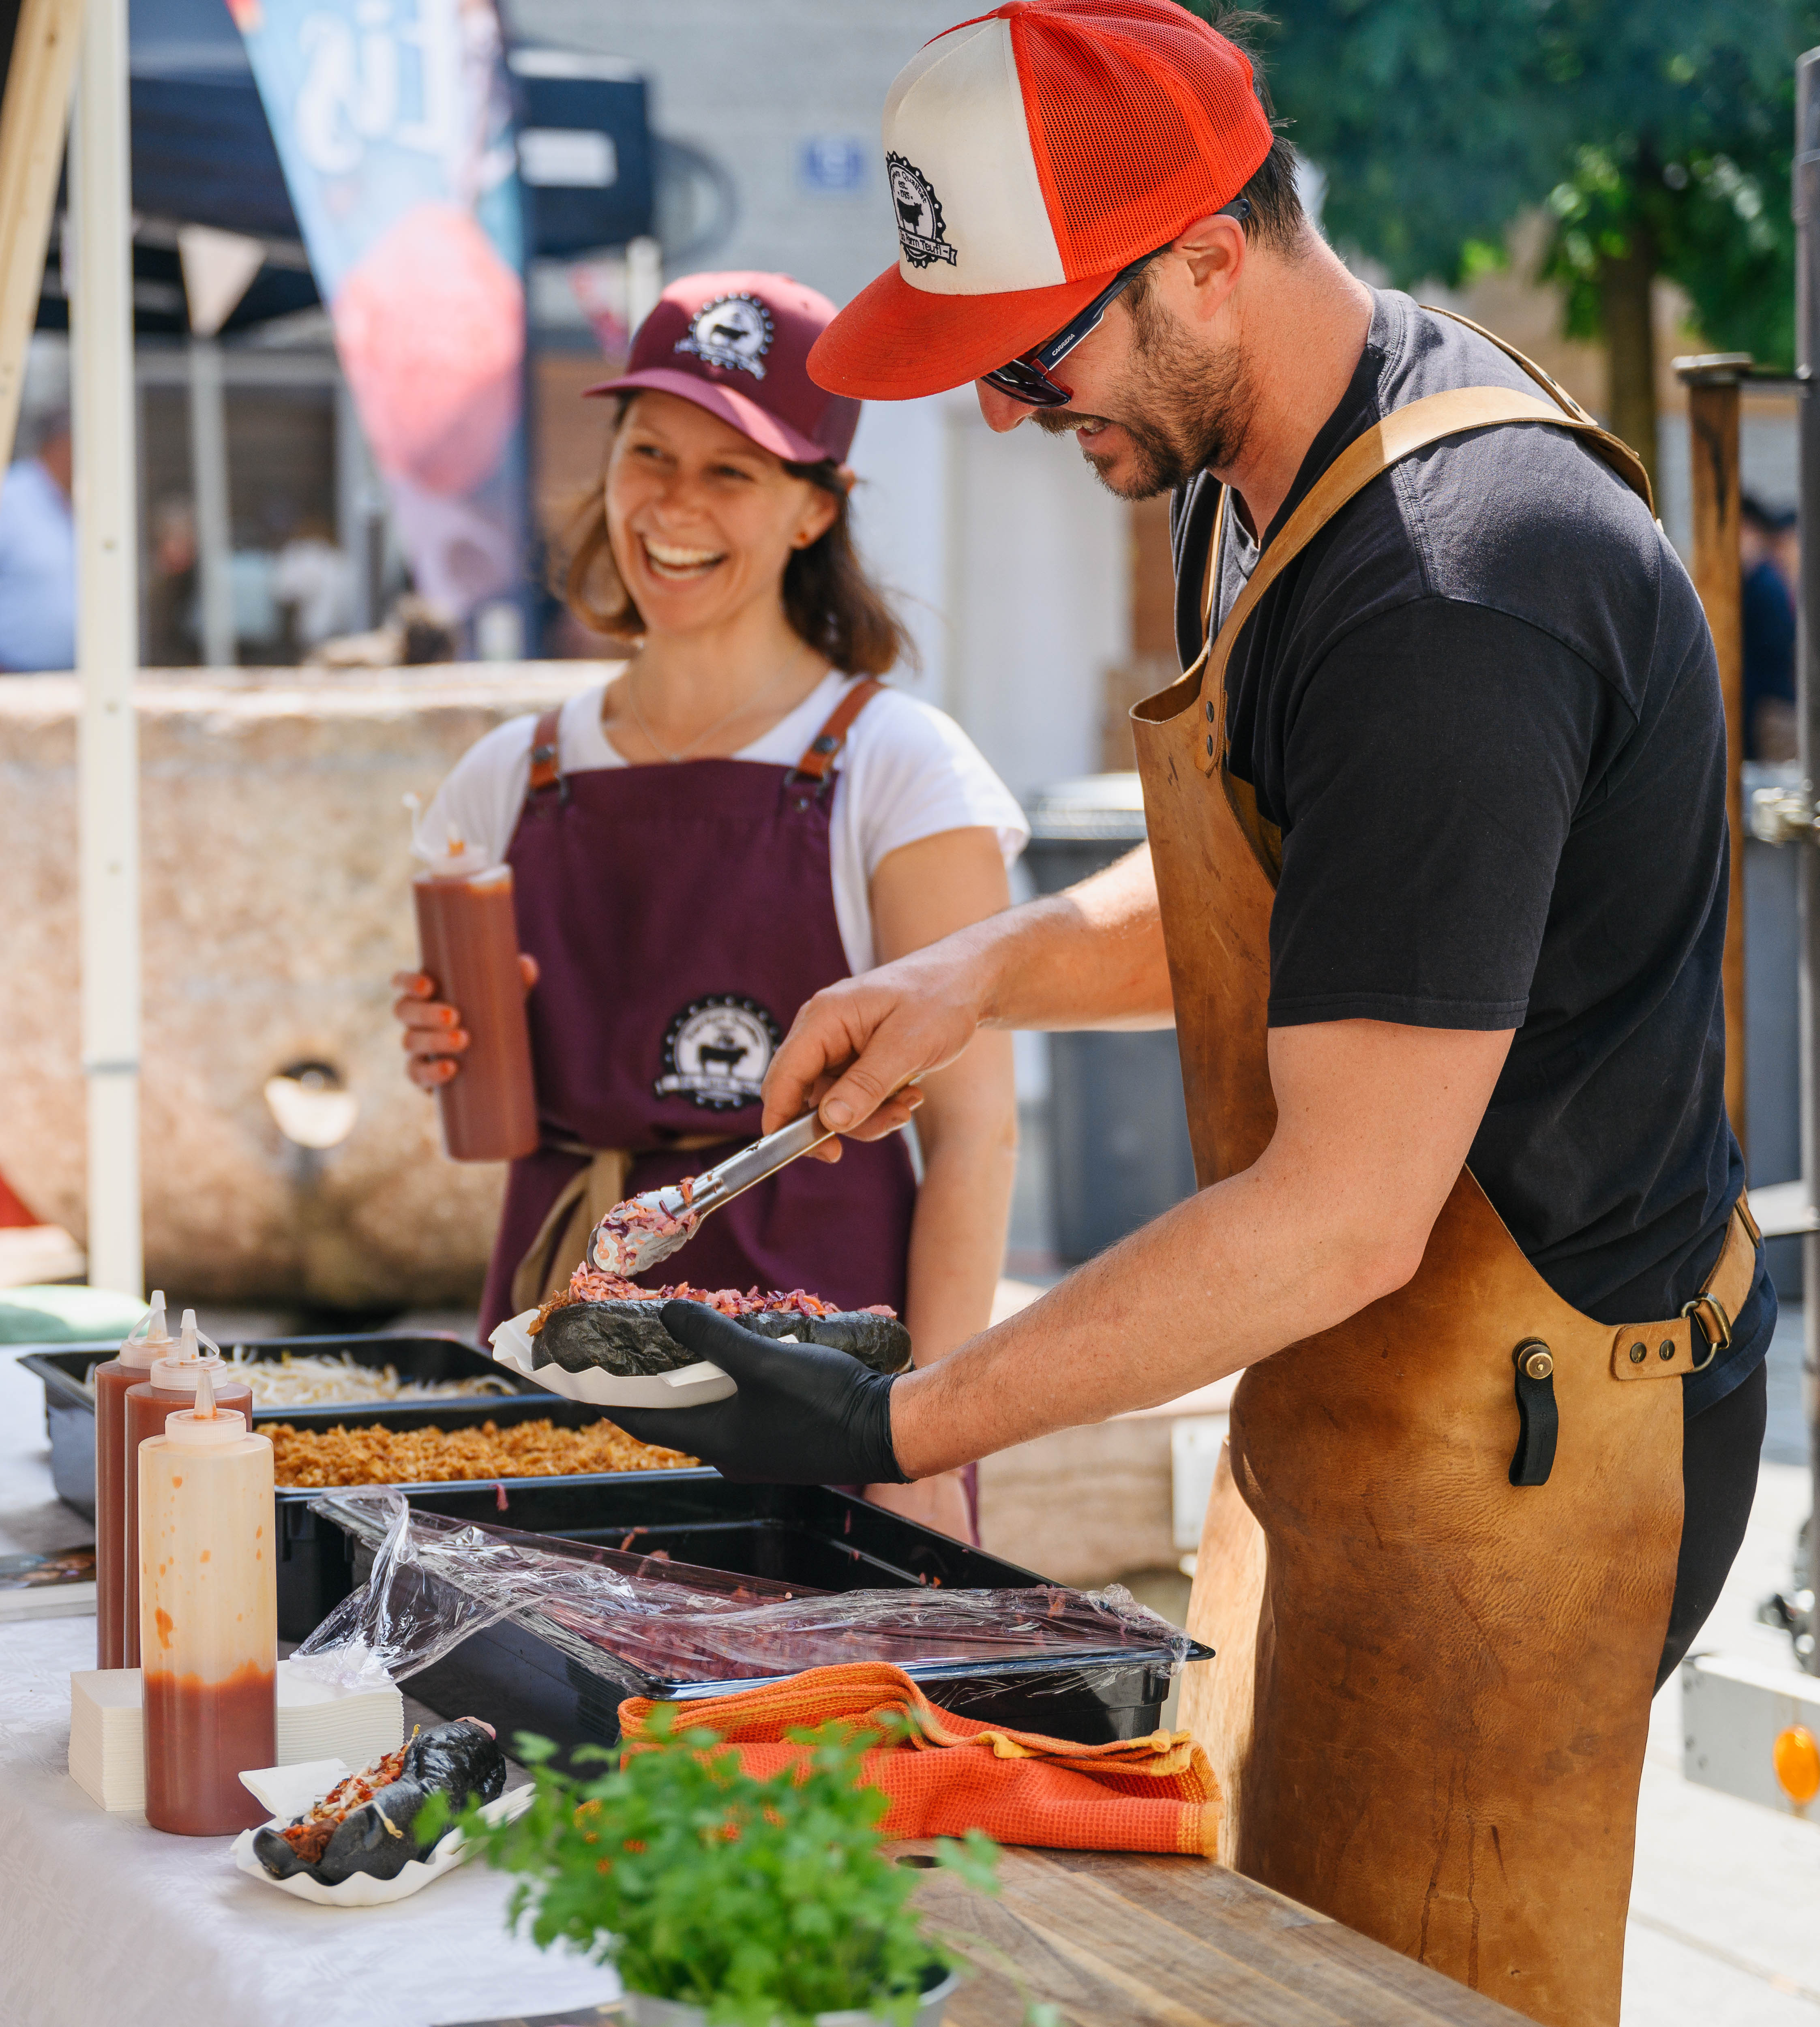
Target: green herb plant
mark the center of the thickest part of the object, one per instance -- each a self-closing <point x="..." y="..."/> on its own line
<point x="765" y="1902"/>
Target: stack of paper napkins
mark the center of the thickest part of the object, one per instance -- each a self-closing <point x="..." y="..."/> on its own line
<point x="107" y="1735"/>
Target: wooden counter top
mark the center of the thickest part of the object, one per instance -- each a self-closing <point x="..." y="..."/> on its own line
<point x="1115" y="1939"/>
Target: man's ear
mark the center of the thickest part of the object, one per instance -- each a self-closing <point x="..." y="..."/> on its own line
<point x="1214" y="251"/>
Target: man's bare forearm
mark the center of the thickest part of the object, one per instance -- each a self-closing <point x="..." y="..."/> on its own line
<point x="1374" y="1125"/>
<point x="1092" y="956"/>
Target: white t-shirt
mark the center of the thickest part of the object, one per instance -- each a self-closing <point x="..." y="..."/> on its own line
<point x="907" y="772"/>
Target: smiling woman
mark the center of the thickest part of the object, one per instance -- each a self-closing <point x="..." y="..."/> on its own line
<point x="740" y="814"/>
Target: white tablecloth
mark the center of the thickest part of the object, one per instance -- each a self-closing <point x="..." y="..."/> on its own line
<point x="104" y="1922"/>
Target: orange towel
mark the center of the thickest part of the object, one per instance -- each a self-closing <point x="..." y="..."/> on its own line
<point x="954" y="1774"/>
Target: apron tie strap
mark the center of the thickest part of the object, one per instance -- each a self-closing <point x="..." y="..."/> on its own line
<point x="1669" y="1350"/>
<point x="561" y="1245"/>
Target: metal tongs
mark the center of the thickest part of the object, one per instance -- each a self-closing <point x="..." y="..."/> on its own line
<point x="635" y="1235"/>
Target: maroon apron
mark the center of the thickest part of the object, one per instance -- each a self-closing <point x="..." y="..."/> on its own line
<point x="680" y="915"/>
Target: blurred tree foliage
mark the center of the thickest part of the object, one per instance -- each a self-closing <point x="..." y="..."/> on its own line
<point x="1657" y="135"/>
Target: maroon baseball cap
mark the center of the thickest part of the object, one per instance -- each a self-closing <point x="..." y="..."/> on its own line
<point x="738" y="345"/>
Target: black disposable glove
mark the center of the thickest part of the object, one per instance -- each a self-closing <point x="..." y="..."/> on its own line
<point x="804" y="1415"/>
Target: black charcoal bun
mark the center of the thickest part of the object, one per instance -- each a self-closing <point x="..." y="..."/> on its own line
<point x="628" y="1339"/>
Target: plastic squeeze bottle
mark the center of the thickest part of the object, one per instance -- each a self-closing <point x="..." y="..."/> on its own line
<point x="207" y="1617"/>
<point x="171" y="1383"/>
<point x="148" y="1342"/>
<point x="467" y="933"/>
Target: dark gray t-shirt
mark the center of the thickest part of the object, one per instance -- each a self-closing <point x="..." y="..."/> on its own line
<point x="1483" y="707"/>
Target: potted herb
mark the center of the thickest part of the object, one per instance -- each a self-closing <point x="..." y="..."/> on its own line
<point x="726" y="1899"/>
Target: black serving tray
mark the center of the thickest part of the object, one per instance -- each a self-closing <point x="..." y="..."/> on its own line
<point x="315" y="1568"/>
<point x="69" y="1400"/>
<point x="811" y="1535"/>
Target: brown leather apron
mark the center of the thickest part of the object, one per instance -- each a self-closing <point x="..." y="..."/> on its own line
<point x="1429" y="1706"/>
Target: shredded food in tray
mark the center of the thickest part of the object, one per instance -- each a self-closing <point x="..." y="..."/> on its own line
<point x="378" y="1456"/>
<point x="312" y="1379"/>
<point x="587" y="1284"/>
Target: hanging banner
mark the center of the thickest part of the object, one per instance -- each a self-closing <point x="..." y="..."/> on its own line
<point x="393" y="123"/>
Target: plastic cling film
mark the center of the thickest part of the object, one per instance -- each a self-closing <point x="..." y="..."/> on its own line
<point x="647" y="1624"/>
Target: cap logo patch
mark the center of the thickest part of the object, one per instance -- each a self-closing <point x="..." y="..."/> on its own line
<point x="732" y="331"/>
<point x="919" y="215"/>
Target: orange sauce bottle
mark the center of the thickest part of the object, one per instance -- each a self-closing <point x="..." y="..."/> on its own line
<point x="170" y="1384"/>
<point x="209" y="1617"/>
<point x="148" y="1342"/>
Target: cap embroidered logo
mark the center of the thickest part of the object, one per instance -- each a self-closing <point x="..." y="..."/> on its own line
<point x="919" y="215"/>
<point x="732" y="331"/>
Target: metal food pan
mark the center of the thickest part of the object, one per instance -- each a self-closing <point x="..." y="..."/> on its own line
<point x="69" y="1400"/>
<point x="315" y="1565"/>
<point x="812" y="1535"/>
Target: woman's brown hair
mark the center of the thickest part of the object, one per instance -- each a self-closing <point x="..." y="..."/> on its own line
<point x="828" y="600"/>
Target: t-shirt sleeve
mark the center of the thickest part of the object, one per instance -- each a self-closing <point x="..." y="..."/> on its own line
<point x="915" y="774"/>
<point x="1432" y="768"/>
<point x="481" y="796"/>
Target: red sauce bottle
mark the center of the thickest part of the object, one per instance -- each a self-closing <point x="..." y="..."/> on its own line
<point x="467" y="933"/>
<point x="170" y="1384"/>
<point x="148" y="1342"/>
<point x="209" y="1617"/>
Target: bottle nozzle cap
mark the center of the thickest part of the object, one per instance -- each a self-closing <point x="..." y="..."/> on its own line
<point x="150" y="1338"/>
<point x="190" y="1429"/>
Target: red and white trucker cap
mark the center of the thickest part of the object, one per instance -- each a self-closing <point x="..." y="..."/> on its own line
<point x="1031" y="154"/>
<point x="737" y="344"/>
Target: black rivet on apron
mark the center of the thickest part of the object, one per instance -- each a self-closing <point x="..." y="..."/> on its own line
<point x="1638" y="1353"/>
<point x="1665" y="1350"/>
<point x="1209" y="710"/>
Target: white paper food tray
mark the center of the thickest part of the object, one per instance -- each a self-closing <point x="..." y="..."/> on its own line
<point x="288" y="1791"/>
<point x="688" y="1386"/>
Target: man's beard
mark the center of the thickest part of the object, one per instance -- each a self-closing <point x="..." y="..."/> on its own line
<point x="1183" y="411"/>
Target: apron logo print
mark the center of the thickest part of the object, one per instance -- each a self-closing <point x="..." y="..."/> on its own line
<point x="732" y="331"/>
<point x="920" y="232"/>
<point x="716" y="1052"/>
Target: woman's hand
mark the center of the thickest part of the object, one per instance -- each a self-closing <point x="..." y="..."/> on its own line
<point x="433" y="1036"/>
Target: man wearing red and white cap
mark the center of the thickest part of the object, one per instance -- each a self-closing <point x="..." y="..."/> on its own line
<point x="1435" y="895"/>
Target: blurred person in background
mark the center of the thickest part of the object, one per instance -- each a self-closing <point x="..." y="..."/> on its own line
<point x="1770" y="556"/>
<point x="38" y="554"/>
<point x="171" y="638"/>
<point x="741" y="814"/>
<point x="313" y="581"/>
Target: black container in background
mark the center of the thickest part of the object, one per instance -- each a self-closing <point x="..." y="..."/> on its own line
<point x="1118" y="1146"/>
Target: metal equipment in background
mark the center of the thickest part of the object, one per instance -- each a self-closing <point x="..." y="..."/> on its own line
<point x="1807" y="196"/>
<point x="1118" y="1144"/>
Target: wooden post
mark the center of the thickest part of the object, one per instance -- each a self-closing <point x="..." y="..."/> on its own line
<point x="1711" y="381"/>
<point x="33" y="119"/>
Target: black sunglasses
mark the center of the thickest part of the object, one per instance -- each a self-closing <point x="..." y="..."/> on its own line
<point x="1026" y="378"/>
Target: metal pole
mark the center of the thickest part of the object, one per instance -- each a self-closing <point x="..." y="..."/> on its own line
<point x="208" y="486"/>
<point x="1806" y="195"/>
<point x="107" y="645"/>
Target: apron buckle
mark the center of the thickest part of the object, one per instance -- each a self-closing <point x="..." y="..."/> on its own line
<point x="1716" y="1341"/>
